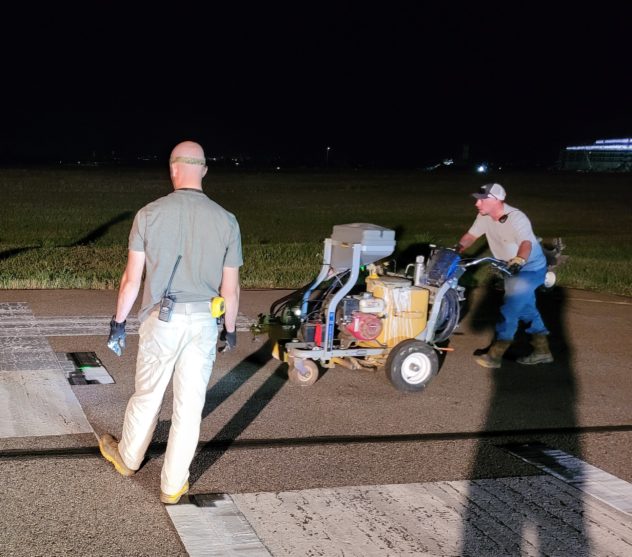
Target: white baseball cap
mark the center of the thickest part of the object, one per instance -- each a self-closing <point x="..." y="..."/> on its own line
<point x="491" y="190"/>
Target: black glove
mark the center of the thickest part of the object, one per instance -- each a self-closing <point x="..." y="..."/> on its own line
<point x="116" y="341"/>
<point x="458" y="248"/>
<point x="230" y="339"/>
<point x="515" y="264"/>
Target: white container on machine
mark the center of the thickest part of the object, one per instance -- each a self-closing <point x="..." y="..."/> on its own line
<point x="377" y="243"/>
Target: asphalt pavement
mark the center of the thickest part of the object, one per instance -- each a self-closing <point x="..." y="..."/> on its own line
<point x="521" y="460"/>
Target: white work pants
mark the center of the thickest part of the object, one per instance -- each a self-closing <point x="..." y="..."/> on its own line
<point x="185" y="348"/>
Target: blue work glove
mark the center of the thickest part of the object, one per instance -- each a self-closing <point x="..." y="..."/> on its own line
<point x="116" y="341"/>
<point x="515" y="265"/>
<point x="230" y="339"/>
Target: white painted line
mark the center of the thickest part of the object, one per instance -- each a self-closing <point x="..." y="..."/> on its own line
<point x="587" y="478"/>
<point x="37" y="403"/>
<point x="216" y="529"/>
<point x="533" y="515"/>
<point x="82" y="325"/>
<point x="35" y="398"/>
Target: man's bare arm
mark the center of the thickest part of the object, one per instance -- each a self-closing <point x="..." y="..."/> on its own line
<point x="229" y="290"/>
<point x="524" y="249"/>
<point x="130" y="284"/>
<point x="465" y="242"/>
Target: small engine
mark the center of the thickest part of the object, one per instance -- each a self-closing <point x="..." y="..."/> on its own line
<point x="364" y="326"/>
<point x="360" y="316"/>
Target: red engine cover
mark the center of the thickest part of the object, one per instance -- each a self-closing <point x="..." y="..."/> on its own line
<point x="364" y="326"/>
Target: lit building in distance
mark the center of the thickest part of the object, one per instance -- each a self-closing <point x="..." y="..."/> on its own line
<point x="604" y="155"/>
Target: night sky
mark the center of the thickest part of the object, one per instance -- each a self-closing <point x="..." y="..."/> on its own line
<point x="401" y="85"/>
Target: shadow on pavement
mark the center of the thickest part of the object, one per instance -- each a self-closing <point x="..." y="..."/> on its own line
<point x="526" y="397"/>
<point x="243" y="371"/>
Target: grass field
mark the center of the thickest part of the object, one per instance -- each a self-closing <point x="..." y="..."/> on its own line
<point x="68" y="227"/>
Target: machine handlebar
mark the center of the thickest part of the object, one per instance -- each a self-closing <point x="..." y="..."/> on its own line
<point x="497" y="263"/>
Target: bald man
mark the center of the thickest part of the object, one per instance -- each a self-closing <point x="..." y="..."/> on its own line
<point x="190" y="250"/>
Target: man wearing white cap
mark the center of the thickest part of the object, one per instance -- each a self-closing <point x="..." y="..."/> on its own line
<point x="511" y="238"/>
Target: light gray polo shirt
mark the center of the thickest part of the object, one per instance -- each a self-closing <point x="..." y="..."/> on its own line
<point x="504" y="238"/>
<point x="185" y="222"/>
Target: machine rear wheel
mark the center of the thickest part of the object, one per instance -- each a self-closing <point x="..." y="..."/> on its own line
<point x="411" y="365"/>
<point x="302" y="372"/>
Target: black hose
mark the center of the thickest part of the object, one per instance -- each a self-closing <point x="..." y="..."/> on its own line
<point x="449" y="314"/>
<point x="279" y="304"/>
<point x="335" y="283"/>
<point x="296" y="296"/>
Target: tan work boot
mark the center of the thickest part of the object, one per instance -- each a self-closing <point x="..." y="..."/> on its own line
<point x="173" y="499"/>
<point x="541" y="352"/>
<point x="109" y="449"/>
<point x="494" y="357"/>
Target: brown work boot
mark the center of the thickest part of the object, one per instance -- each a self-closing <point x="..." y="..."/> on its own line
<point x="109" y="449"/>
<point x="541" y="352"/>
<point x="494" y="357"/>
<point x="173" y="499"/>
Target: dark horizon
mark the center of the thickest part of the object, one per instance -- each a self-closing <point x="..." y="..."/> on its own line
<point x="85" y="136"/>
<point x="406" y="85"/>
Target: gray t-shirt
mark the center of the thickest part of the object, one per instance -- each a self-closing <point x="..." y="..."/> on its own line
<point x="185" y="222"/>
<point x="504" y="238"/>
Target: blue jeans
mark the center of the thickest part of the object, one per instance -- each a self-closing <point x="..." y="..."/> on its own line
<point x="519" y="305"/>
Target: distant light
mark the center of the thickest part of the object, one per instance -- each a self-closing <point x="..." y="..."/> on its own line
<point x="448" y="162"/>
<point x="278" y="168"/>
<point x="481" y="168"/>
<point x="236" y="164"/>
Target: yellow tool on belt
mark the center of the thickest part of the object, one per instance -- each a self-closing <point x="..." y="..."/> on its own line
<point x="217" y="306"/>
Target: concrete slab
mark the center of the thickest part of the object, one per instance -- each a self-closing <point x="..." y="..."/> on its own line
<point x="35" y="398"/>
<point x="39" y="403"/>
<point x="536" y="515"/>
<point x="214" y="527"/>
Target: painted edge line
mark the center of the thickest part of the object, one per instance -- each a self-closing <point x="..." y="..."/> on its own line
<point x="606" y="487"/>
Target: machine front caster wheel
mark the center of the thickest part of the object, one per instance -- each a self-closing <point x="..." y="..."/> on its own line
<point x="411" y="365"/>
<point x="302" y="372"/>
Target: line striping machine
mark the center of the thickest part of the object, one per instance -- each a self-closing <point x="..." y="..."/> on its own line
<point x="357" y="314"/>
